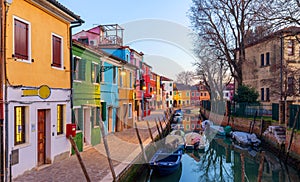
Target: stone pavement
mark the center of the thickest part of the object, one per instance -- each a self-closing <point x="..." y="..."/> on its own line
<point x="123" y="146"/>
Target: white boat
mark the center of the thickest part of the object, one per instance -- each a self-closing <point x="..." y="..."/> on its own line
<point x="194" y="140"/>
<point x="245" y="138"/>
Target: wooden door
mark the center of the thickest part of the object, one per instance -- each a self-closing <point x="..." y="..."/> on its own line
<point x="41" y="138"/>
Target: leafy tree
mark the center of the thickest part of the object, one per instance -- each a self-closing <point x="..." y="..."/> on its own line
<point x="246" y="93"/>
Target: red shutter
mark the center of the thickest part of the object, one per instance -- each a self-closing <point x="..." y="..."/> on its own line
<point x="21" y="40"/>
<point x="56" y="51"/>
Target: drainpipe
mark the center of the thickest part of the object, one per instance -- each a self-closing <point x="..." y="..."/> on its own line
<point x="76" y="24"/>
<point x="1" y="94"/>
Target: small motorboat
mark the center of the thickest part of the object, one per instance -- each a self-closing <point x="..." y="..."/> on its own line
<point x="195" y="141"/>
<point x="244" y="138"/>
<point x="165" y="162"/>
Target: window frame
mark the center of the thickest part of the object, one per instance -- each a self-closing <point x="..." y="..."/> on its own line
<point x="60" y="119"/>
<point x="61" y="67"/>
<point x="95" y="73"/>
<point x="28" y="41"/>
<point x="129" y="110"/>
<point x="23" y="139"/>
<point x="262" y="60"/>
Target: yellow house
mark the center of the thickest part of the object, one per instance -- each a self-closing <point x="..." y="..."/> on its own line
<point x="183" y="94"/>
<point x="126" y="97"/>
<point x="38" y="74"/>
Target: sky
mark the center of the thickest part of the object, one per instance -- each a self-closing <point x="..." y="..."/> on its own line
<point x="158" y="28"/>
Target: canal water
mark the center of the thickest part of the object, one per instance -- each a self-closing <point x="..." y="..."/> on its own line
<point x="221" y="161"/>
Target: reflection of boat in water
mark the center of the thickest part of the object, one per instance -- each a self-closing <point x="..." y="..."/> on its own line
<point x="244" y="138"/>
<point x="165" y="162"/>
<point x="194" y="140"/>
<point x="174" y="177"/>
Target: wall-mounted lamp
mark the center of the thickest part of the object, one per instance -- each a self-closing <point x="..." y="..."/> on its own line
<point x="144" y="87"/>
<point x="123" y="72"/>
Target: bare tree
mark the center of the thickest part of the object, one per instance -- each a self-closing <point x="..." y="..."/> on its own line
<point x="185" y="77"/>
<point x="279" y="13"/>
<point x="213" y="70"/>
<point x="224" y="25"/>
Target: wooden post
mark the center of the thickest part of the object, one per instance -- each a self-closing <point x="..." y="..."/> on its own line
<point x="150" y="132"/>
<point x="158" y="130"/>
<point x="292" y="134"/>
<point x="79" y="159"/>
<point x="252" y="123"/>
<point x="262" y="124"/>
<point x="243" y="167"/>
<point x="261" y="166"/>
<point x="107" y="151"/>
<point x="141" y="142"/>
<point x="162" y="130"/>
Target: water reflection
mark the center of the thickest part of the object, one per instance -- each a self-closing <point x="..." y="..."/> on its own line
<point x="221" y="161"/>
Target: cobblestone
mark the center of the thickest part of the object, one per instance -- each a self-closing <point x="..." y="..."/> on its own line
<point x="123" y="147"/>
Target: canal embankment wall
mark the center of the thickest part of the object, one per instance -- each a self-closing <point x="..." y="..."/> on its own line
<point x="243" y="124"/>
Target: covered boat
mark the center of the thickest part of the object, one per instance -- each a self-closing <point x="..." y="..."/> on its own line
<point x="178" y="116"/>
<point x="164" y="162"/>
<point x="194" y="140"/>
<point x="245" y="138"/>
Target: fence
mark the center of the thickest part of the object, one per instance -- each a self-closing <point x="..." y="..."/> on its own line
<point x="249" y="109"/>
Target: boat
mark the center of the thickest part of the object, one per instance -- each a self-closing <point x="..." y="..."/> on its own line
<point x="210" y="128"/>
<point x="195" y="141"/>
<point x="244" y="138"/>
<point x="165" y="162"/>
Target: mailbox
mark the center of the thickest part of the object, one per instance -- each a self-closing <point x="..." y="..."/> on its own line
<point x="71" y="130"/>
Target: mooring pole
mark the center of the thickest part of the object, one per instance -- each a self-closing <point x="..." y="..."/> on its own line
<point x="162" y="130"/>
<point x="158" y="130"/>
<point x="243" y="167"/>
<point x="261" y="166"/>
<point x="107" y="151"/>
<point x="150" y="132"/>
<point x="79" y="158"/>
<point x="141" y="142"/>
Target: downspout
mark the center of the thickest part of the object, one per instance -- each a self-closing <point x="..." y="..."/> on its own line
<point x="5" y="92"/>
<point x="1" y="95"/>
<point x="76" y="24"/>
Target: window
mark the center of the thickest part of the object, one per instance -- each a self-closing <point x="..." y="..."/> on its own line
<point x="198" y="94"/>
<point x="60" y="120"/>
<point x="101" y="72"/>
<point x="21" y="39"/>
<point x="267" y="58"/>
<point x="291" y="86"/>
<point x="121" y="80"/>
<point x="262" y="94"/>
<point x="79" y="69"/>
<point x="170" y="84"/>
<point x="84" y="40"/>
<point x="201" y="94"/>
<point x="290" y="47"/>
<point x="130" y="110"/>
<point x="204" y="94"/>
<point x="187" y="94"/>
<point x="56" y="51"/>
<point x="193" y="94"/>
<point x="171" y="102"/>
<point x="20" y="128"/>
<point x="262" y="60"/>
<point x="170" y="93"/>
<point x="95" y="75"/>
<point x="267" y="94"/>
<point x="95" y="116"/>
<point x="130" y="80"/>
<point x="115" y="75"/>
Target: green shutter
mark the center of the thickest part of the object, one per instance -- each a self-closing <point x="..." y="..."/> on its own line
<point x="82" y="69"/>
<point x="97" y="74"/>
<point x="80" y="119"/>
<point x="92" y="70"/>
<point x="103" y="113"/>
<point x="98" y="116"/>
<point x="92" y="117"/>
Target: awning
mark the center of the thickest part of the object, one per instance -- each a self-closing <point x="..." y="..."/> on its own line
<point x="147" y="96"/>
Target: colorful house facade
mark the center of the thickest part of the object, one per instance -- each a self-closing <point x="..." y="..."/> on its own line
<point x="185" y="92"/>
<point x="86" y="94"/>
<point x="167" y="91"/>
<point x="147" y="97"/>
<point x="38" y="87"/>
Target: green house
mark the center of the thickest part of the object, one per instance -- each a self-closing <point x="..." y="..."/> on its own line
<point x="86" y="94"/>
